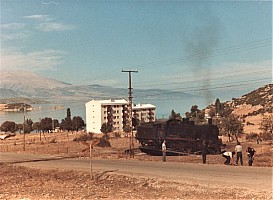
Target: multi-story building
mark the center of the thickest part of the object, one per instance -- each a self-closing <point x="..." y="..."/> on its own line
<point x="116" y="113"/>
<point x="144" y="112"/>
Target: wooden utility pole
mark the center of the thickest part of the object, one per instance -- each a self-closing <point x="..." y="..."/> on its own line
<point x="24" y="145"/>
<point x="52" y="125"/>
<point x="40" y="129"/>
<point x="130" y="121"/>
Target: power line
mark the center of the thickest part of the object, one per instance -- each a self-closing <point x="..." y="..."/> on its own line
<point x="199" y="89"/>
<point x="191" y="58"/>
<point x="212" y="77"/>
<point x="203" y="55"/>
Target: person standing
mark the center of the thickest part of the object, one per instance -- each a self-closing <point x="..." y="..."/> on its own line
<point x="239" y="153"/>
<point x="204" y="151"/>
<point x="250" y="153"/>
<point x="164" y="151"/>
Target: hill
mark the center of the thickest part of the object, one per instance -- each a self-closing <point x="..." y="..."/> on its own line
<point x="252" y="107"/>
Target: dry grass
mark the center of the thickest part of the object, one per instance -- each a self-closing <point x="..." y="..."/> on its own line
<point x="64" y="145"/>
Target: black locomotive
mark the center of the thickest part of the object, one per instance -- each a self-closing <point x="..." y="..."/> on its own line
<point x="181" y="136"/>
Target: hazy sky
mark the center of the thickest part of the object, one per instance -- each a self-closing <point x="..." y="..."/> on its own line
<point x="191" y="46"/>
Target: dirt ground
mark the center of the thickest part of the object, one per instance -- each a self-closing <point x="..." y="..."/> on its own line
<point x="19" y="182"/>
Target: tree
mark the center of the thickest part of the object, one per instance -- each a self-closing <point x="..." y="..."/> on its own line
<point x="20" y="127"/>
<point x="77" y="123"/>
<point x="212" y="112"/>
<point x="217" y="106"/>
<point x="175" y="115"/>
<point x="135" y="122"/>
<point x="106" y="128"/>
<point x="68" y="113"/>
<point x="196" y="115"/>
<point x="36" y="126"/>
<point x="66" y="124"/>
<point x="46" y="124"/>
<point x="8" y="126"/>
<point x="266" y="126"/>
<point x="55" y="123"/>
<point x="225" y="112"/>
<point x="232" y="125"/>
<point x="127" y="129"/>
<point x="27" y="126"/>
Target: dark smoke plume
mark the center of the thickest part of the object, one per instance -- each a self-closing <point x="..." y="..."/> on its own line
<point x="200" y="47"/>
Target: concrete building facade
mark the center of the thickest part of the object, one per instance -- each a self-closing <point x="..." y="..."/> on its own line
<point x="116" y="113"/>
<point x="144" y="112"/>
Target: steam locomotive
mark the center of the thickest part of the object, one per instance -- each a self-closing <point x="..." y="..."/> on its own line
<point x="181" y="136"/>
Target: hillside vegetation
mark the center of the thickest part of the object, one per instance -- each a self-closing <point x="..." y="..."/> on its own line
<point x="260" y="101"/>
<point x="252" y="107"/>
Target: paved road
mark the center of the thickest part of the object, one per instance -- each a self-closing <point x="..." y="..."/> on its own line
<point x="252" y="178"/>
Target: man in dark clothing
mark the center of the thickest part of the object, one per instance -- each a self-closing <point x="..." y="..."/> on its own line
<point x="239" y="153"/>
<point x="204" y="152"/>
<point x="250" y="153"/>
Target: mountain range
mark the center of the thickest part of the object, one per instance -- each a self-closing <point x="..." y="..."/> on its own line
<point x="28" y="86"/>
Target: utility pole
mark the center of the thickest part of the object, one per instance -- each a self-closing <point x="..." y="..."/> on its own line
<point x="52" y="124"/>
<point x="40" y="129"/>
<point x="130" y="121"/>
<point x="24" y="145"/>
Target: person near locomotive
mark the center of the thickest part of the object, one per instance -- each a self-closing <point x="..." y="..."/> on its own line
<point x="228" y="155"/>
<point x="164" y="151"/>
<point x="239" y="153"/>
<point x="204" y="151"/>
<point x="250" y="153"/>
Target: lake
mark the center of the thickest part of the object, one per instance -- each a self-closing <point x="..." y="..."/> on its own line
<point x="58" y="111"/>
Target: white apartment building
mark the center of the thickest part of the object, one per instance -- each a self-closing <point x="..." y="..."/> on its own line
<point x="116" y="113"/>
<point x="144" y="112"/>
<point x="103" y="111"/>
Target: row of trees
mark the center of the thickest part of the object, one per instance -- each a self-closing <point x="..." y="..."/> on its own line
<point x="45" y="125"/>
